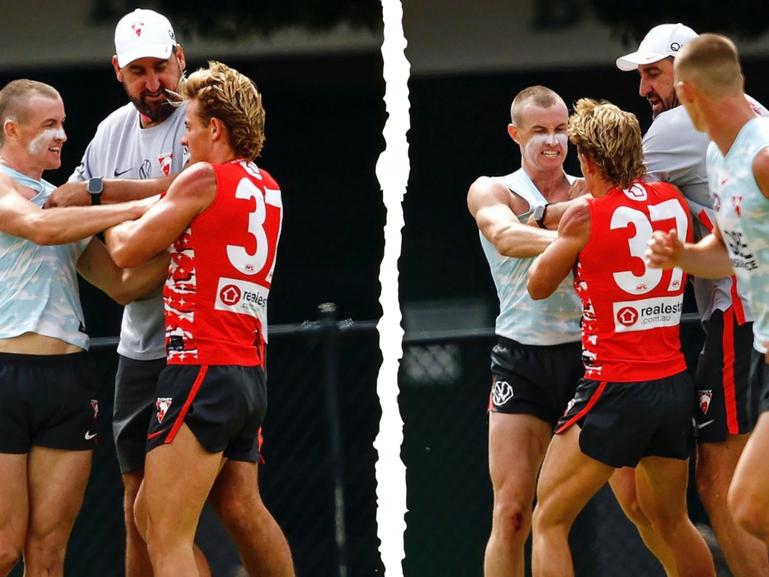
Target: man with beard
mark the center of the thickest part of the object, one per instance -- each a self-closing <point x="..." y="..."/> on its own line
<point x="142" y="140"/>
<point x="674" y="151"/>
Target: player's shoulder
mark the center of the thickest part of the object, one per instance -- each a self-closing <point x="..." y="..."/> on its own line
<point x="488" y="186"/>
<point x="263" y="176"/>
<point x="197" y="178"/>
<point x="119" y="118"/>
<point x="673" y="127"/>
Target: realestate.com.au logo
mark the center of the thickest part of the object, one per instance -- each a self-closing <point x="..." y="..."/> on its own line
<point x="647" y="314"/>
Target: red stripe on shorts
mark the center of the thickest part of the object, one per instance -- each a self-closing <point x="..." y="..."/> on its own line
<point x="593" y="400"/>
<point x="186" y="407"/>
<point x="259" y="443"/>
<point x="727" y="372"/>
<point x="739" y="310"/>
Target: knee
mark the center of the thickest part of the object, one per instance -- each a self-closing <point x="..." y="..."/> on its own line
<point x="10" y="553"/>
<point x="632" y="510"/>
<point x="749" y="511"/>
<point x="511" y="519"/>
<point x="45" y="553"/>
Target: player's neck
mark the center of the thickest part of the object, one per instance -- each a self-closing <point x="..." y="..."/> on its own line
<point x="726" y="119"/>
<point x="598" y="186"/>
<point x="11" y="160"/>
<point x="549" y="182"/>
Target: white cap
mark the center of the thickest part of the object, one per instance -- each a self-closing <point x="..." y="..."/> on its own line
<point x="660" y="42"/>
<point x="143" y="34"/>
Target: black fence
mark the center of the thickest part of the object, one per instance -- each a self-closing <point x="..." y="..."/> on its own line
<point x="318" y="479"/>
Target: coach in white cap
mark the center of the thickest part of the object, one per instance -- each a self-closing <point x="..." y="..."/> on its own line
<point x="141" y="141"/>
<point x="726" y="410"/>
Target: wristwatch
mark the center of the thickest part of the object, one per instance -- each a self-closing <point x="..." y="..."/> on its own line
<point x="539" y="214"/>
<point x="95" y="188"/>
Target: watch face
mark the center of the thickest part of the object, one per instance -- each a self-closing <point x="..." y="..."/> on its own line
<point x="95" y="185"/>
<point x="539" y="211"/>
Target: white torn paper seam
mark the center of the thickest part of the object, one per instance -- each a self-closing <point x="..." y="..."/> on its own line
<point x="392" y="170"/>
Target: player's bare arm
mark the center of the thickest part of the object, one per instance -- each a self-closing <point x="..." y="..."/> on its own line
<point x="22" y="218"/>
<point x="122" y="285"/>
<point x="494" y="209"/>
<point x="554" y="265"/>
<point x="133" y="243"/>
<point x="115" y="190"/>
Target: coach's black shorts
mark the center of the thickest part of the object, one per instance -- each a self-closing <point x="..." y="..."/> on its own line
<point x="534" y="380"/>
<point x="135" y="385"/>
<point x="223" y="405"/>
<point x="48" y="401"/>
<point x="759" y="379"/>
<point x="623" y="422"/>
<point x="725" y="405"/>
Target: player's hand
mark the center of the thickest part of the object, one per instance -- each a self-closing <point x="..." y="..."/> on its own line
<point x="664" y="249"/>
<point x="144" y="204"/>
<point x="69" y="194"/>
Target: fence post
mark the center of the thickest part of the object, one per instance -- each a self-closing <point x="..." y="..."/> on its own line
<point x="329" y="331"/>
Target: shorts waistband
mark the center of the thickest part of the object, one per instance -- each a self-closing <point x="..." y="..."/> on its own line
<point x="44" y="360"/>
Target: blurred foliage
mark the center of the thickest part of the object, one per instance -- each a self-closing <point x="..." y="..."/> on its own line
<point x="630" y="20"/>
<point x="233" y="19"/>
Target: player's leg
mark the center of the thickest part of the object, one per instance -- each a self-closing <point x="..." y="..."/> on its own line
<point x="623" y="484"/>
<point x="236" y="500"/>
<point x="57" y="480"/>
<point x="663" y="499"/>
<point x="517" y="445"/>
<point x="137" y="560"/>
<point x="725" y="414"/>
<point x="14" y="509"/>
<point x="135" y="384"/>
<point x="168" y="511"/>
<point x="531" y="387"/>
<point x="749" y="492"/>
<point x="14" y="452"/>
<point x="746" y="555"/>
<point x="568" y="479"/>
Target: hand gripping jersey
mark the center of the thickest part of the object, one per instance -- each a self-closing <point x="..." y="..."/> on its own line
<point x="742" y="212"/>
<point x="551" y="321"/>
<point x="631" y="313"/>
<point x="221" y="270"/>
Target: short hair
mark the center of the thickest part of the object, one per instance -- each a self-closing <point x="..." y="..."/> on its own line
<point x="610" y="137"/>
<point x="711" y="63"/>
<point x="539" y="95"/>
<point x="224" y="93"/>
<point x="14" y="100"/>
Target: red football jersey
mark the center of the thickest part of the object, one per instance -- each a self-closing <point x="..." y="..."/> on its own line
<point x="221" y="269"/>
<point x="630" y="312"/>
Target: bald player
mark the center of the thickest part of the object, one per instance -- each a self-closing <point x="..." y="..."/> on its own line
<point x="709" y="83"/>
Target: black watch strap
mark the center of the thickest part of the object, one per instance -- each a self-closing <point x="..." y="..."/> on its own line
<point x="95" y="187"/>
